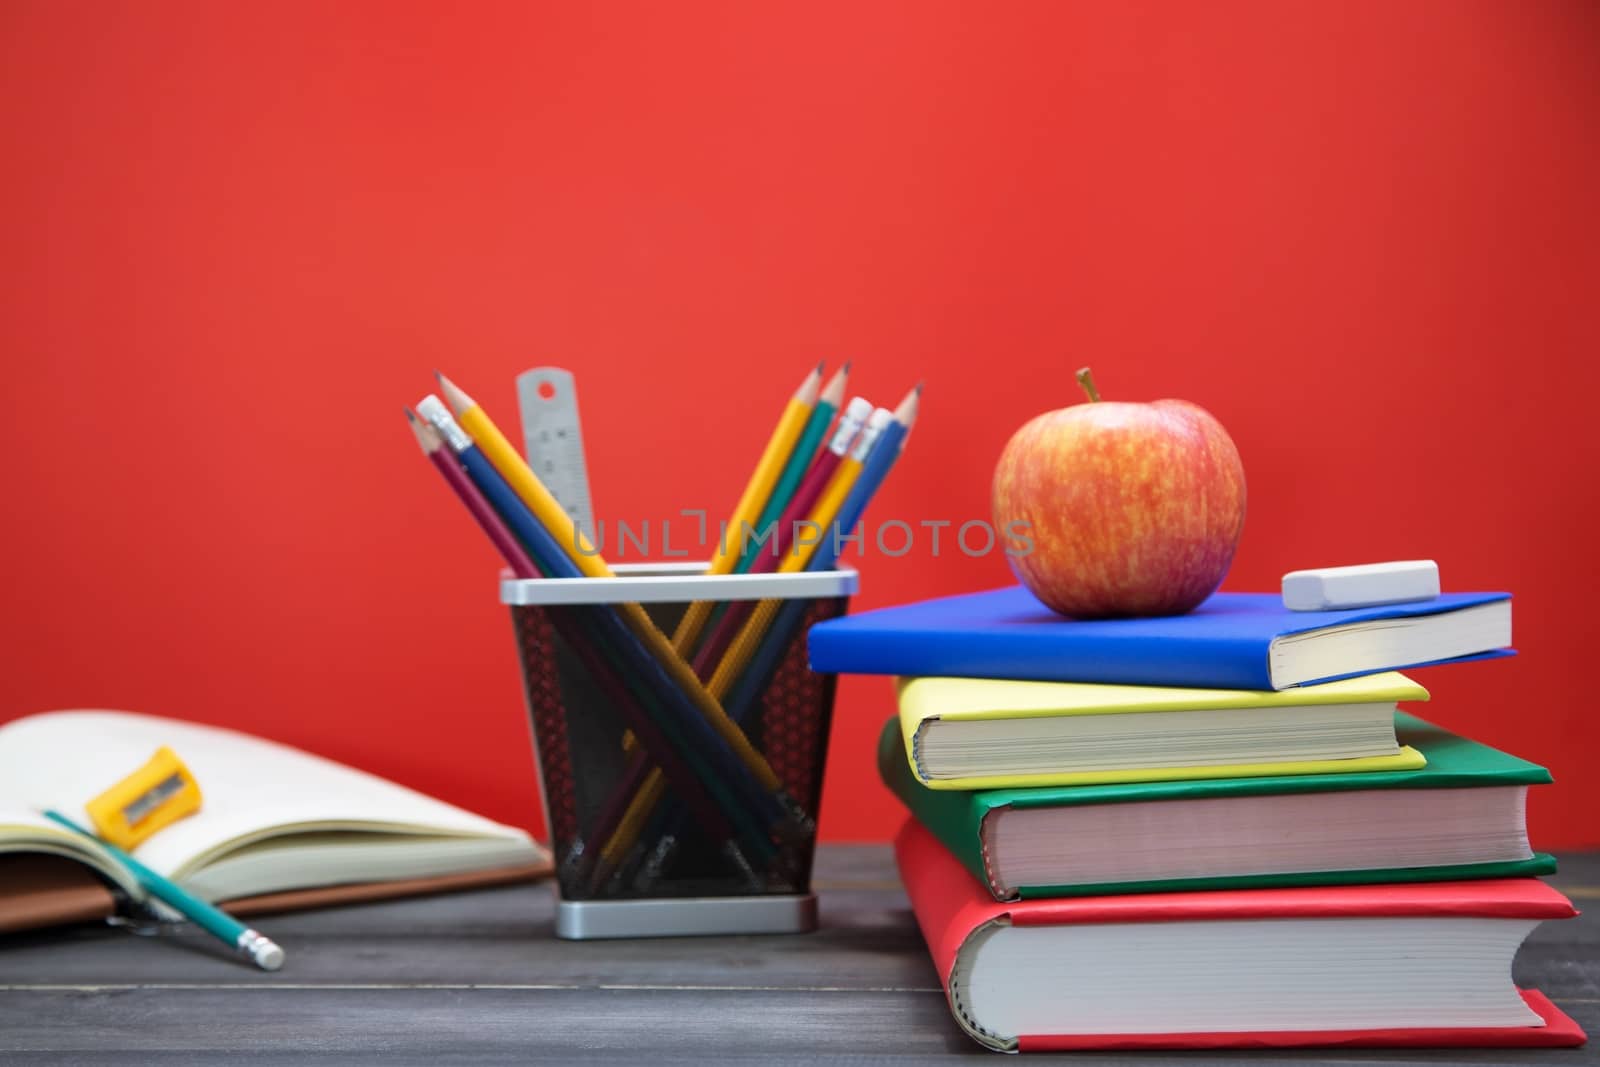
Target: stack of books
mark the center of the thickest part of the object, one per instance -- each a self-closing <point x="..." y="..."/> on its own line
<point x="1215" y="829"/>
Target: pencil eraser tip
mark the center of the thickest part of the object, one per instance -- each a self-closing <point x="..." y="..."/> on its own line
<point x="269" y="957"/>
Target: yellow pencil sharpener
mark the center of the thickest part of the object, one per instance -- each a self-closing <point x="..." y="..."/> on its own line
<point x="153" y="797"/>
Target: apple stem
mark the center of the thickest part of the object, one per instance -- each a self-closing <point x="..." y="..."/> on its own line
<point x="1086" y="380"/>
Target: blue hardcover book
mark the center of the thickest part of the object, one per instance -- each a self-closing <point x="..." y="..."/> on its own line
<point x="1232" y="641"/>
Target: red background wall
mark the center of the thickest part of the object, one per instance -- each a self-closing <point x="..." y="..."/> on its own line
<point x="238" y="237"/>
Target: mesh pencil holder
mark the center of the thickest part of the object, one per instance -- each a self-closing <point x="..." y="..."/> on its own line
<point x="671" y="811"/>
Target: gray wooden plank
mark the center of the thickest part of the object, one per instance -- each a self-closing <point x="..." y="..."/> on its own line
<point x="473" y="976"/>
<point x="430" y="1026"/>
<point x="868" y="940"/>
<point x="504" y="936"/>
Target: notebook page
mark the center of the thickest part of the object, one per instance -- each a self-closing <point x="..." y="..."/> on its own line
<point x="250" y="787"/>
<point x="23" y="829"/>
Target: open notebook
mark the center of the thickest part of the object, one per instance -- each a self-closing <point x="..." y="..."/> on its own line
<point x="277" y="828"/>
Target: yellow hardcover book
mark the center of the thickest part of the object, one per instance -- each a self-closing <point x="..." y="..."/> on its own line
<point x="978" y="733"/>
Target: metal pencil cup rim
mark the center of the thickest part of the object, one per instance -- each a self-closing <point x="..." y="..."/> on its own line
<point x="669" y="583"/>
<point x="665" y="583"/>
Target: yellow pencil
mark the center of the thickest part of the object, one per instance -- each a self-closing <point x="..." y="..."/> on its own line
<point x="739" y="652"/>
<point x="751" y="503"/>
<point x="527" y="485"/>
<point x="627" y="832"/>
<point x="748" y="640"/>
<point x="821" y="520"/>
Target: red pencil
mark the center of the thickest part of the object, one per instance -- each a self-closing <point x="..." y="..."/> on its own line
<point x="510" y="548"/>
<point x="688" y="787"/>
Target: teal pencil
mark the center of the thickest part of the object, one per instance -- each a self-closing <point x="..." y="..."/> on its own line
<point x="795" y="467"/>
<point x="805" y="449"/>
<point x="213" y="920"/>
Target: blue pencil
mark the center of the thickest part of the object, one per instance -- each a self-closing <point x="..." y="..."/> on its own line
<point x="699" y="745"/>
<point x="770" y="653"/>
<point x="765" y="661"/>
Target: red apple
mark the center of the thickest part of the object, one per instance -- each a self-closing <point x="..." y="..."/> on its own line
<point x="1132" y="509"/>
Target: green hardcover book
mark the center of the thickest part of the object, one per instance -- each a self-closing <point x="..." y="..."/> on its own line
<point x="1461" y="816"/>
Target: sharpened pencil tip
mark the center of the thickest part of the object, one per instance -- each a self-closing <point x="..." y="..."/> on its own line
<point x="907" y="411"/>
<point x="427" y="439"/>
<point x="454" y="397"/>
<point x="833" y="392"/>
<point x="807" y="393"/>
<point x="847" y="365"/>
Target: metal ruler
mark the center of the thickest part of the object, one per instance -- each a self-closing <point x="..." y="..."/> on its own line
<point x="552" y="439"/>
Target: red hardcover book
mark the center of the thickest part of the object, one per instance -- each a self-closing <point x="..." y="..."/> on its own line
<point x="1386" y="965"/>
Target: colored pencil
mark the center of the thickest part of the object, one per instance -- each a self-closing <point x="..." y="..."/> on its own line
<point x="213" y="920"/>
<point x="476" y="493"/>
<point x="798" y="511"/>
<point x="743" y="645"/>
<point x="504" y="517"/>
<point x="774" y="459"/>
<point x="727" y="630"/>
<point x="882" y="457"/>
<point x="580" y="552"/>
<point x="504" y="541"/>
<point x="769" y="468"/>
<point x="699" y="744"/>
<point x="800" y="460"/>
<point x="749" y="637"/>
<point x="794" y="472"/>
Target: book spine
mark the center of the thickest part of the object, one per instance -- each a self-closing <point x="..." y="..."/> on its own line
<point x="1235" y="664"/>
<point x="955" y="818"/>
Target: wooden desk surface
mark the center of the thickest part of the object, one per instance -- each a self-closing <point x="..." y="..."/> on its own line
<point x="478" y="977"/>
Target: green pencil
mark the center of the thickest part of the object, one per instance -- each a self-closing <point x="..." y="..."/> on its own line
<point x="213" y="920"/>
<point x="805" y="450"/>
<point x="799" y="461"/>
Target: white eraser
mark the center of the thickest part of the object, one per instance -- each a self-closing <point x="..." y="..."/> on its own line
<point x="1369" y="585"/>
